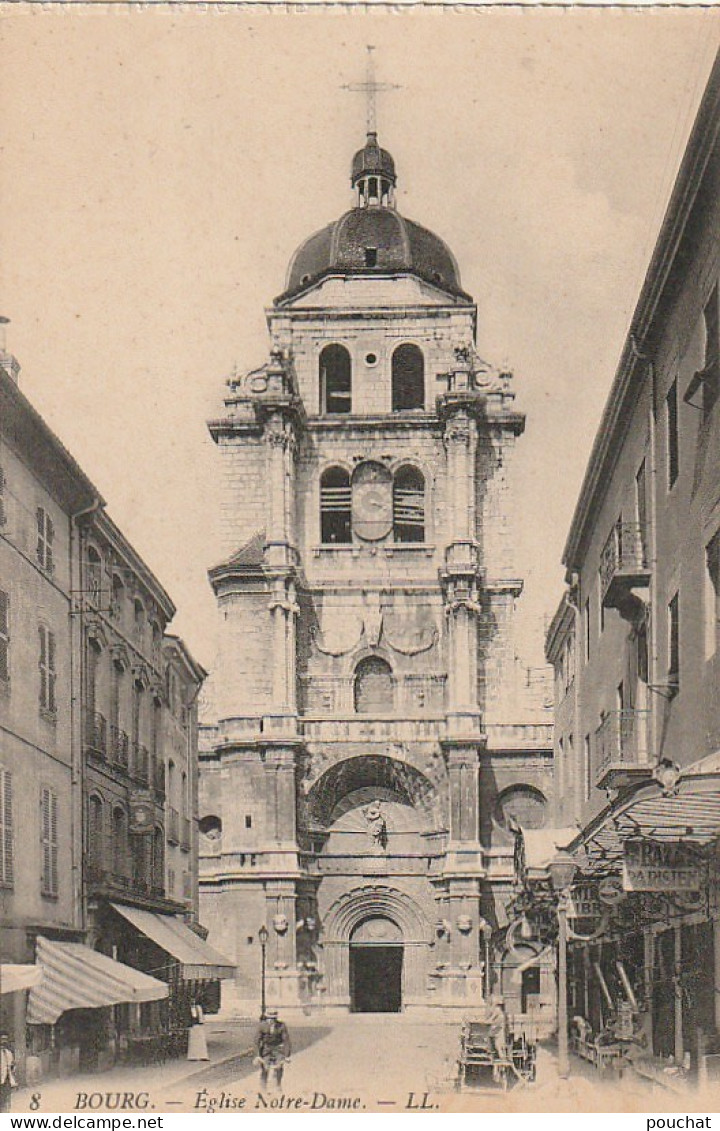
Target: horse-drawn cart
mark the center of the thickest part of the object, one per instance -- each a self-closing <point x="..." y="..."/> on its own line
<point x="490" y="1055"/>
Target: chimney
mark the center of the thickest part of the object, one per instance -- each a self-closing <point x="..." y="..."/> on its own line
<point x="9" y="364"/>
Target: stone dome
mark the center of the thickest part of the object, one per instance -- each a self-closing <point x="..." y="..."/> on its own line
<point x="371" y="240"/>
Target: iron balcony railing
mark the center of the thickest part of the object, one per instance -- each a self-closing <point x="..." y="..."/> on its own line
<point x="119" y="747"/>
<point x="624" y="556"/>
<point x="173" y="828"/>
<point x="96" y="733"/>
<point x="621" y="740"/>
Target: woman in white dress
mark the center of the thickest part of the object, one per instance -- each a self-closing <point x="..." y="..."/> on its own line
<point x="197" y="1041"/>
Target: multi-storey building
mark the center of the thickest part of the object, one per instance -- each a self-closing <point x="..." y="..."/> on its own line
<point x="43" y="493"/>
<point x="636" y="640"/>
<point x="98" y="769"/>
<point x="373" y="740"/>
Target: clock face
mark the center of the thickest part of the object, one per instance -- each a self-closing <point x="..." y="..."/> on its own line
<point x="372" y="501"/>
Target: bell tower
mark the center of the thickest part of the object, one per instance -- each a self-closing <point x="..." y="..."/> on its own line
<point x="372" y="723"/>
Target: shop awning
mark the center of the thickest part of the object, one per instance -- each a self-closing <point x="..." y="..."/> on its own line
<point x="197" y="959"/>
<point x="76" y="977"/>
<point x="688" y="812"/>
<point x="14" y="977"/>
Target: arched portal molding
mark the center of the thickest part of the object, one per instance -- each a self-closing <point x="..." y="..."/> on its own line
<point x="373" y="901"/>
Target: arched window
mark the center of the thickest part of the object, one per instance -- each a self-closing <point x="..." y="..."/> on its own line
<point x="119" y="841"/>
<point x="117" y="609"/>
<point x="373" y="687"/>
<point x="138" y="618"/>
<point x="158" y="861"/>
<point x="96" y="845"/>
<point x="335" y="506"/>
<point x="409" y="505"/>
<point x="408" y="378"/>
<point x="94" y="575"/>
<point x="335" y="380"/>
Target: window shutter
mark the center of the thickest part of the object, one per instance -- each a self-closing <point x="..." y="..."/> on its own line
<point x="53" y="843"/>
<point x="4" y="636"/>
<point x="51" y="670"/>
<point x="43" y="666"/>
<point x="49" y="536"/>
<point x="40" y="515"/>
<point x="45" y="838"/>
<point x="3" y="512"/>
<point x="6" y="829"/>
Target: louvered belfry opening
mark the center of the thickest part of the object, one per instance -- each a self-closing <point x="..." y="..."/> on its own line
<point x="335" y="380"/>
<point x="373" y="687"/>
<point x="408" y="378"/>
<point x="409" y="505"/>
<point x="335" y="506"/>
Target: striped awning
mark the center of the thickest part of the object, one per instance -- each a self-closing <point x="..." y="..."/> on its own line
<point x="76" y="977"/>
<point x="14" y="977"/>
<point x="688" y="812"/>
<point x="197" y="959"/>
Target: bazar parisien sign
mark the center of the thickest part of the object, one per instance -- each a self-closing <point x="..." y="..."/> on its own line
<point x="651" y="865"/>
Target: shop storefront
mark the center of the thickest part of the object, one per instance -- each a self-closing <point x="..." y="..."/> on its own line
<point x="648" y="983"/>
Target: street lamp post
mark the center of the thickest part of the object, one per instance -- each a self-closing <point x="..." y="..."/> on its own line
<point x="562" y="870"/>
<point x="263" y="937"/>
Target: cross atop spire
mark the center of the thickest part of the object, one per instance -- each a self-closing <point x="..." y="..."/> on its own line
<point x="371" y="88"/>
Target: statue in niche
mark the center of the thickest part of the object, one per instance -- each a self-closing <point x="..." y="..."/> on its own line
<point x="376" y="825"/>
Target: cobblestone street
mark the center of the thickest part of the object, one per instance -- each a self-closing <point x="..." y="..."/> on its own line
<point x="384" y="1064"/>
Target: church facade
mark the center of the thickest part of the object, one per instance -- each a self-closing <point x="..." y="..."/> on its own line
<point x="374" y="736"/>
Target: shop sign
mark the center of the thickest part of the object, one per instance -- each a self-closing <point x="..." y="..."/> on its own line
<point x="142" y="812"/>
<point x="650" y="865"/>
<point x="610" y="891"/>
<point x="584" y="902"/>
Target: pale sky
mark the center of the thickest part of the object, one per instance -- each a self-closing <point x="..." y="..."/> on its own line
<point x="160" y="167"/>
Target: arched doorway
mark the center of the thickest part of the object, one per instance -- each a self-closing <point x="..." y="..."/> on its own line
<point x="376" y="966"/>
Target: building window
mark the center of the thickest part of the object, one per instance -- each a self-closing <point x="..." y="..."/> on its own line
<point x="641" y="509"/>
<point x="335" y="380"/>
<point x="96" y="845"/>
<point x="119" y="841"/>
<point x="711" y="368"/>
<point x="45" y="539"/>
<point x="409" y="505"/>
<point x="4" y="637"/>
<point x="118" y="599"/>
<point x="49" y="842"/>
<point x="94" y="576"/>
<point x="6" y="829"/>
<point x="586" y="628"/>
<point x="601" y="606"/>
<point x="371" y="256"/>
<point x="673" y="439"/>
<point x="373" y="687"/>
<point x="3" y="506"/>
<point x="335" y="506"/>
<point x="408" y="378"/>
<point x="674" y="641"/>
<point x="48" y="673"/>
<point x="712" y="596"/>
<point x="248" y="820"/>
<point x="158" y="861"/>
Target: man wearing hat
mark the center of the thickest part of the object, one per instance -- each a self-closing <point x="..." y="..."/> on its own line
<point x="273" y="1045"/>
<point x="7" y="1072"/>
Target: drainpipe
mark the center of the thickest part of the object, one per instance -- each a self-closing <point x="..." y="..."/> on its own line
<point x="572" y="600"/>
<point x="77" y="698"/>
<point x="654" y="678"/>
